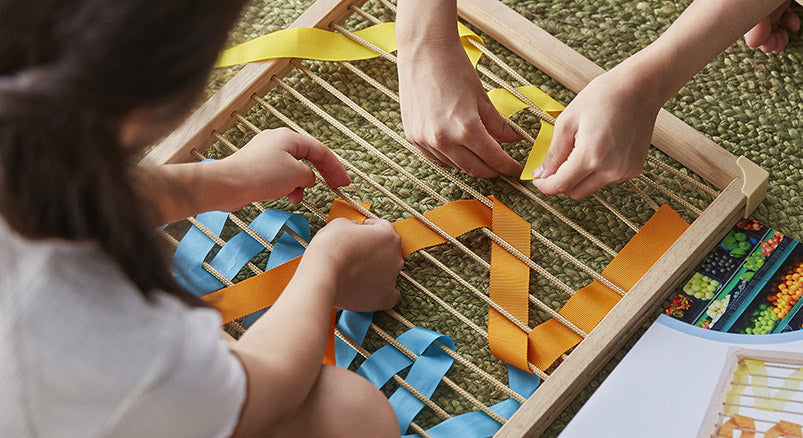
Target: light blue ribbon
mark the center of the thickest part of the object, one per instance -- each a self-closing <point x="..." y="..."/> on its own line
<point x="191" y="253"/>
<point x="424" y="375"/>
<point x="230" y="260"/>
<point x="478" y="424"/>
<point x="354" y="325"/>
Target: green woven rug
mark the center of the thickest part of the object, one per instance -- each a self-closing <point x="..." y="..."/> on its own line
<point x="748" y="102"/>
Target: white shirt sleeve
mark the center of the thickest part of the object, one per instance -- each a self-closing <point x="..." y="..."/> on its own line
<point x="83" y="354"/>
<point x="196" y="388"/>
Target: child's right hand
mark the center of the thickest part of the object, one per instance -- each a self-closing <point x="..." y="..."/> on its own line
<point x="363" y="259"/>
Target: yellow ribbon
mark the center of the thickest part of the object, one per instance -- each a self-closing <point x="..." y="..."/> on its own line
<point x="753" y="373"/>
<point x="507" y="104"/>
<point x="741" y="380"/>
<point x="323" y="45"/>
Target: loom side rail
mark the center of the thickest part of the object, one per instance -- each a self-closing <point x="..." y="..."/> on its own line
<point x="235" y="96"/>
<point x="718" y="397"/>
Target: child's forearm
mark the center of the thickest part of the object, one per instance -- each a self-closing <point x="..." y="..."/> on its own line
<point x="282" y="351"/>
<point x="177" y="191"/>
<point x="704" y="30"/>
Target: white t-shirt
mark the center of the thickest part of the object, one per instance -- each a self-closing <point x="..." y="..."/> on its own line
<point x="83" y="354"/>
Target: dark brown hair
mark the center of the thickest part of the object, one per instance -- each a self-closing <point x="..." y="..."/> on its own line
<point x="70" y="70"/>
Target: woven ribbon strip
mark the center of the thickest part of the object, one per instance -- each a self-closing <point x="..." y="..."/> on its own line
<point x="478" y="424"/>
<point x="509" y="277"/>
<point x="194" y="247"/>
<point x="785" y="429"/>
<point x="747" y="426"/>
<point x="323" y="45"/>
<point x="509" y="284"/>
<point x="425" y="373"/>
<point x="738" y="422"/>
<point x="589" y="305"/>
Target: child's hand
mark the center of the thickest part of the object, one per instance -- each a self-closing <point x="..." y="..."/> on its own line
<point x="268" y="167"/>
<point x="447" y="114"/>
<point x="771" y="35"/>
<point x="363" y="259"/>
<point x="602" y="137"/>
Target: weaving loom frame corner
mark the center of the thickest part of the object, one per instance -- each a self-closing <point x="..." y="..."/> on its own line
<point x="536" y="46"/>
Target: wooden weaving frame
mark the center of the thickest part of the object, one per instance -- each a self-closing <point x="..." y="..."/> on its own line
<point x="713" y="417"/>
<point x="743" y="184"/>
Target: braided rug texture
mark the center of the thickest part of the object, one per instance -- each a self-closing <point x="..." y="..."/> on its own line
<point x="748" y="102"/>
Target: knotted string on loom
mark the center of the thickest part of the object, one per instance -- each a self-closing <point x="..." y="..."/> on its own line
<point x="323" y="45"/>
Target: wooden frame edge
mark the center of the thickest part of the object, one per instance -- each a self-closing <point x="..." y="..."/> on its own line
<point x="235" y="96"/>
<point x="711" y="416"/>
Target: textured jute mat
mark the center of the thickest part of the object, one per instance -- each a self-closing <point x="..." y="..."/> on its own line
<point x="748" y="102"/>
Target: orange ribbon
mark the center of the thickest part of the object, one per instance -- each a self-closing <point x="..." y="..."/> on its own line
<point x="509" y="278"/>
<point x="738" y="422"/>
<point x="589" y="305"/>
<point x="259" y="292"/>
<point x="786" y="429"/>
<point x="509" y="287"/>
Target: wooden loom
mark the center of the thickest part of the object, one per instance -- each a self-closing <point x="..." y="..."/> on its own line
<point x="742" y="184"/>
<point x="755" y="401"/>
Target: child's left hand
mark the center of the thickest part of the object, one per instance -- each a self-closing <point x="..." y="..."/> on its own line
<point x="269" y="167"/>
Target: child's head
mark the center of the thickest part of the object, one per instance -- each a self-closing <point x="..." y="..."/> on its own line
<point x="73" y="73"/>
